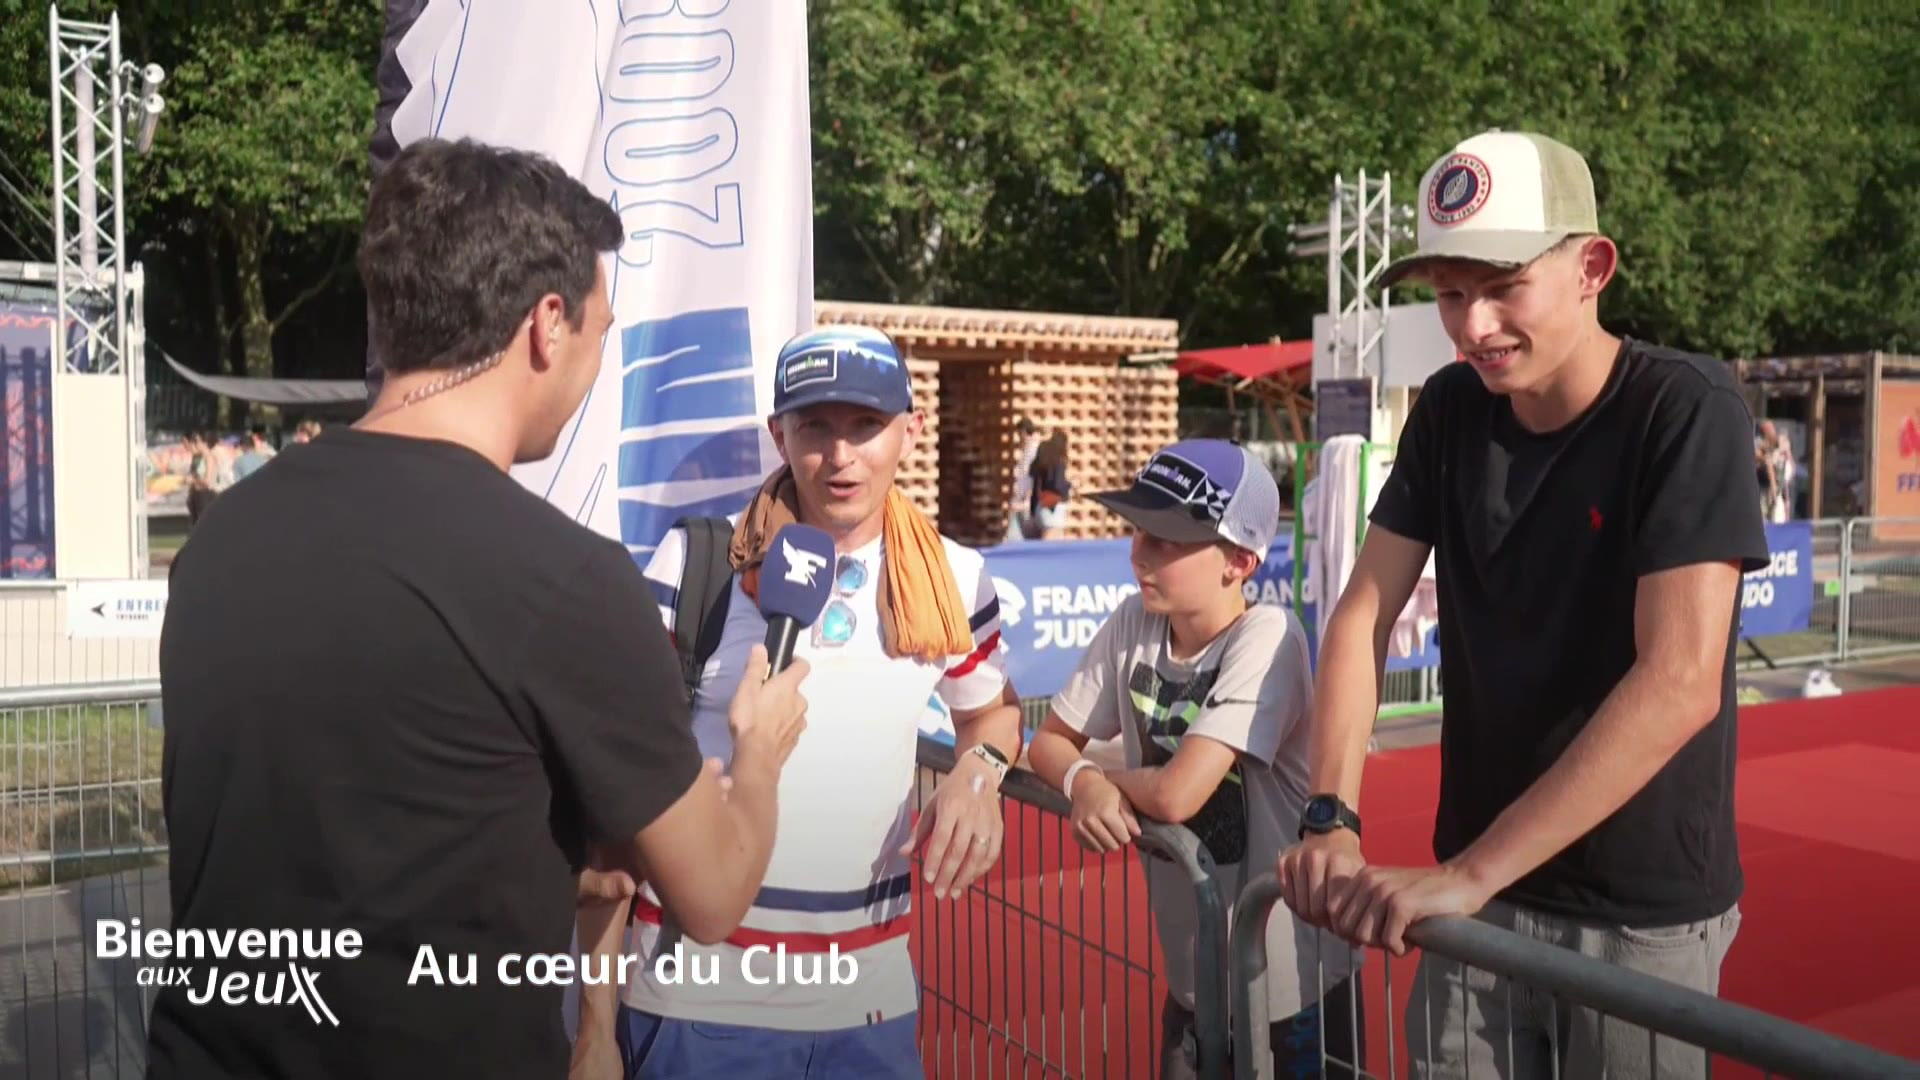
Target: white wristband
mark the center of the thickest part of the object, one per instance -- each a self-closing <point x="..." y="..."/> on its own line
<point x="1066" y="782"/>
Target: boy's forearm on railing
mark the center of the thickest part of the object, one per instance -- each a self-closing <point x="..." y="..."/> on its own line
<point x="1050" y="755"/>
<point x="1346" y="701"/>
<point x="1144" y="789"/>
<point x="1053" y="750"/>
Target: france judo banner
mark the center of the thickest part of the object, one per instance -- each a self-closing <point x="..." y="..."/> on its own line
<point x="1778" y="598"/>
<point x="690" y="117"/>
<point x="1055" y="596"/>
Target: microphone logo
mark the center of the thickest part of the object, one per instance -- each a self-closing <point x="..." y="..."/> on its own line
<point x="801" y="565"/>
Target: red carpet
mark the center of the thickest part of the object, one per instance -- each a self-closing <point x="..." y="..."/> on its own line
<point x="1046" y="971"/>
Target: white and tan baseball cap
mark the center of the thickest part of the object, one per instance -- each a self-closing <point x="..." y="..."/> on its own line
<point x="1501" y="197"/>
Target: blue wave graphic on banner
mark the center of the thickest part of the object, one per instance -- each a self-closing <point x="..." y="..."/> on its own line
<point x="687" y="421"/>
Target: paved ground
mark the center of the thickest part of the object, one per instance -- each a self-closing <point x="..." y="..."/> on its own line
<point x="56" y="999"/>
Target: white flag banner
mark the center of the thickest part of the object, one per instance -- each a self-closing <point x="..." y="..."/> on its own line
<point x="690" y="117"/>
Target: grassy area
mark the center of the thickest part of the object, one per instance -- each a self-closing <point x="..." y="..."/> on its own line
<point x="77" y="782"/>
<point x="165" y="535"/>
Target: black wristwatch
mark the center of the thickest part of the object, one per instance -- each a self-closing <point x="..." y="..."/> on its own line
<point x="1325" y="813"/>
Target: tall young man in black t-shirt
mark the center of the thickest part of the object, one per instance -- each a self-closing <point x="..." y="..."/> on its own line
<point x="404" y="695"/>
<point x="1588" y="503"/>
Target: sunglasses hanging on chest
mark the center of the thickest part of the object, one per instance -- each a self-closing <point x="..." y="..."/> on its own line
<point x="837" y="623"/>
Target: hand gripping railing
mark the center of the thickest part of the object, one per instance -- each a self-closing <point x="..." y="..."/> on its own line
<point x="1737" y="1032"/>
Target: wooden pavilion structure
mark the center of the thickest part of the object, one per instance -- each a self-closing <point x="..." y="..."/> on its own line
<point x="1840" y="395"/>
<point x="1106" y="381"/>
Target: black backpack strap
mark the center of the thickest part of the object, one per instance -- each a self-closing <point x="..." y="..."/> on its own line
<point x="706" y="589"/>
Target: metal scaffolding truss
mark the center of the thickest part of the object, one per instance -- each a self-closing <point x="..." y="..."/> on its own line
<point x="96" y="96"/>
<point x="1357" y="241"/>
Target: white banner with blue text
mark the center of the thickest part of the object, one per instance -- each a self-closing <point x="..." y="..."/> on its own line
<point x="690" y="117"/>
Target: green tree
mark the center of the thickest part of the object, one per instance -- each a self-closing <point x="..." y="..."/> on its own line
<point x="265" y="156"/>
<point x="1725" y="147"/>
<point x="906" y="102"/>
<point x="1866" y="294"/>
<point x="246" y="211"/>
<point x="1759" y="165"/>
<point x="1147" y="180"/>
<point x="1053" y="155"/>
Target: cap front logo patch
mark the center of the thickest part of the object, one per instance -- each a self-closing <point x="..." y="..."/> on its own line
<point x="812" y="367"/>
<point x="1173" y="475"/>
<point x="1459" y="189"/>
<point x="1187" y="482"/>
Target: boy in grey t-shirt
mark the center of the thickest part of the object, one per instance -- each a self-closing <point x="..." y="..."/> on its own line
<point x="1211" y="699"/>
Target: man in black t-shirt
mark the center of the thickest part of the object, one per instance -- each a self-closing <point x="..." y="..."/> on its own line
<point x="1588" y="504"/>
<point x="471" y="692"/>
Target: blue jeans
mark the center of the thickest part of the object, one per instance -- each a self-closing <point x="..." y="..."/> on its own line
<point x="653" y="1048"/>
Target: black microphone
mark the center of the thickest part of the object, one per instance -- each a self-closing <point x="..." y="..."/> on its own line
<point x="795" y="581"/>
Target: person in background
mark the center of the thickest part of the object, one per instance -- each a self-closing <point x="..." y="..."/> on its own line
<point x="1020" y="521"/>
<point x="1051" y="486"/>
<point x="1211" y="699"/>
<point x="1773" y="452"/>
<point x="201" y="476"/>
<point x="1586" y="500"/>
<point x="254" y="453"/>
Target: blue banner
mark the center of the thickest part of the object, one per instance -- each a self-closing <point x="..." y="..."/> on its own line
<point x="26" y="444"/>
<point x="1778" y="599"/>
<point x="1055" y="596"/>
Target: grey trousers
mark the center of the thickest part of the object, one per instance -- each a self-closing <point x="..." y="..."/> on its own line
<point x="1475" y="1023"/>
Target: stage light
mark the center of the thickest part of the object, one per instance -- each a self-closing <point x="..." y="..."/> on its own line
<point x="149" y="111"/>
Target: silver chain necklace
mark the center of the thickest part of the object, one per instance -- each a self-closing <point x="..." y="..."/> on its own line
<point x="443" y="383"/>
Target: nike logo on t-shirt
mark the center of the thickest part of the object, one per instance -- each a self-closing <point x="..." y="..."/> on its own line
<point x="1216" y="702"/>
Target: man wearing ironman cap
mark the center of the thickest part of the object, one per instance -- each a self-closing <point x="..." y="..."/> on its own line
<point x="1588" y="503"/>
<point x="818" y="981"/>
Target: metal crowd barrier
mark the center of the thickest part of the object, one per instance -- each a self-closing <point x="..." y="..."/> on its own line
<point x="1669" y="1014"/>
<point x="1880" y="586"/>
<point x="1866" y="605"/>
<point x="82" y="838"/>
<point x="1048" y="965"/>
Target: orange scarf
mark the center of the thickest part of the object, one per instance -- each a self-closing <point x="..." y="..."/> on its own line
<point x="921" y="612"/>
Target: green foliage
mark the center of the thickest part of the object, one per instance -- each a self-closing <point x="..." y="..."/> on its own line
<point x="1756" y="165"/>
<point x="1759" y="165"/>
<point x="270" y="133"/>
<point x="247" y="207"/>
